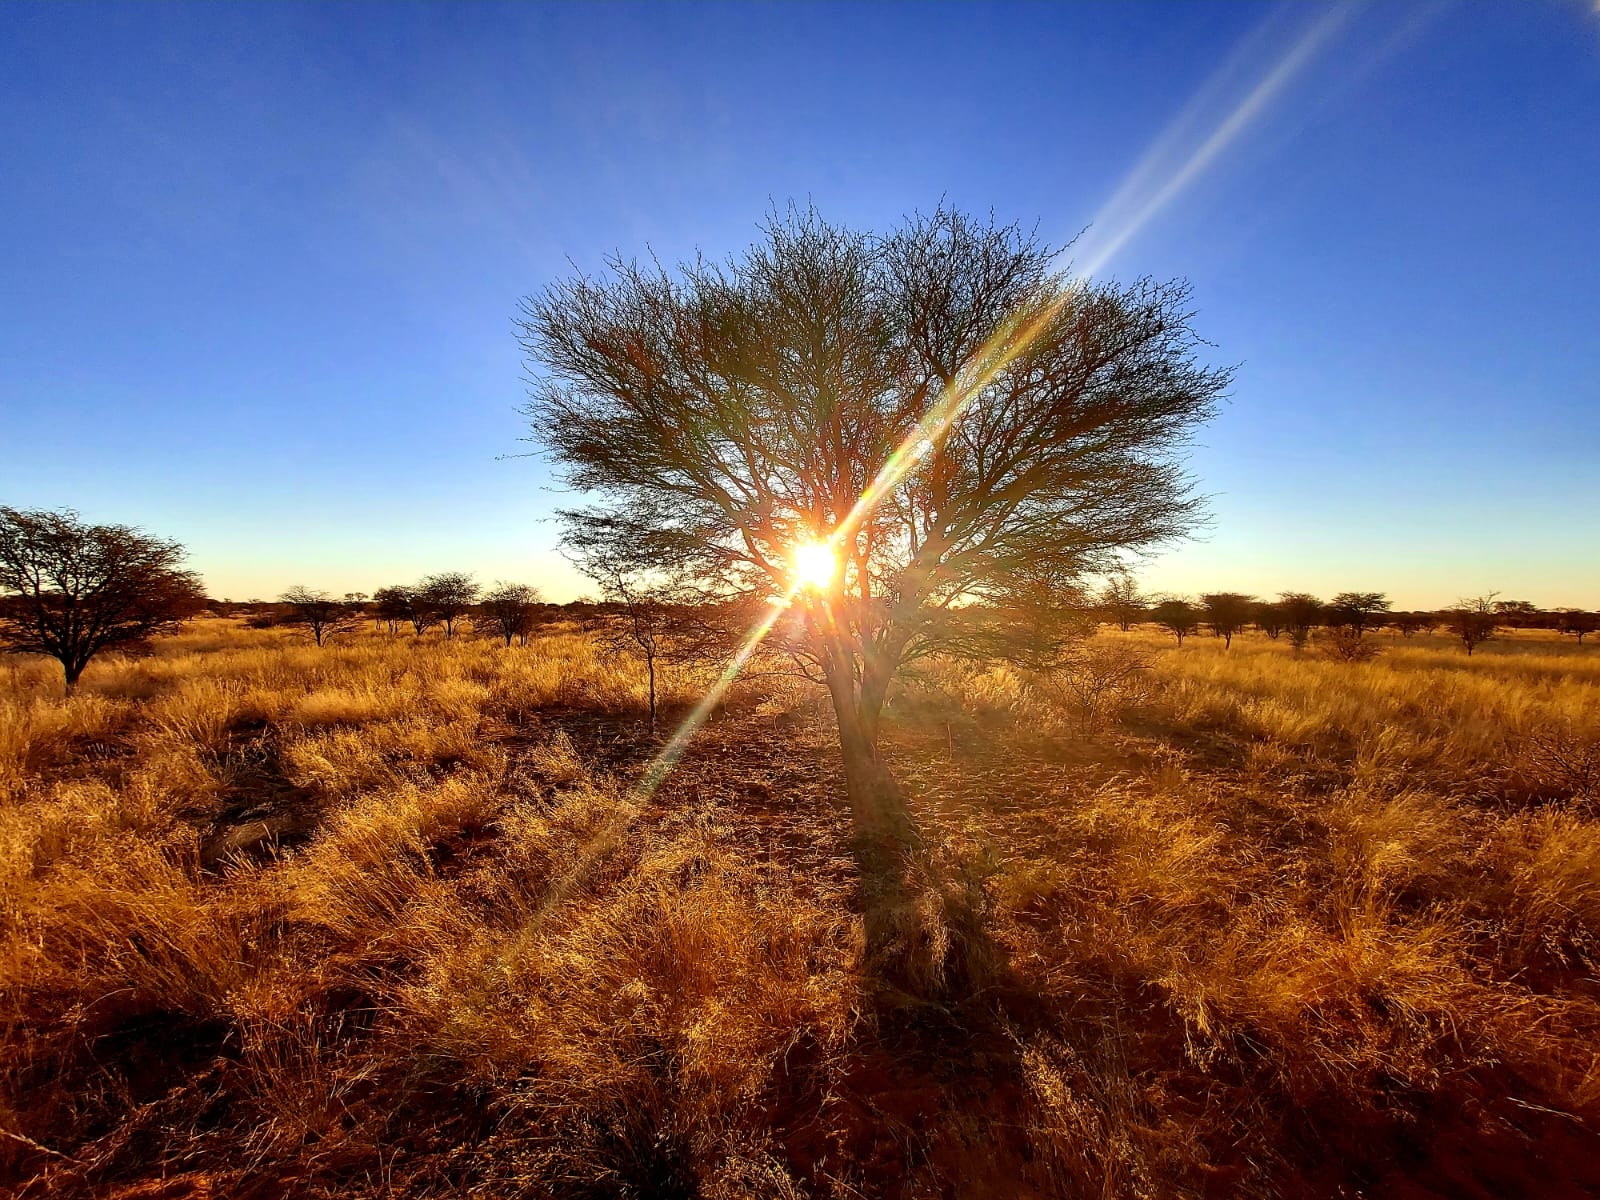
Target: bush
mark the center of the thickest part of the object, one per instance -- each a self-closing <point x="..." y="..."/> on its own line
<point x="1100" y="683"/>
<point x="1344" y="643"/>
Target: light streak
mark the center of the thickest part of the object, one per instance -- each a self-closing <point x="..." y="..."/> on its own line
<point x="667" y="758"/>
<point x="1010" y="340"/>
<point x="1019" y="331"/>
<point x="609" y="836"/>
<point x="1014" y="336"/>
<point x="1140" y="198"/>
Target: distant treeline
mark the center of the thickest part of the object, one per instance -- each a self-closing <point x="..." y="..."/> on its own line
<point x="1347" y="617"/>
<point x="510" y="611"/>
<point x="450" y="602"/>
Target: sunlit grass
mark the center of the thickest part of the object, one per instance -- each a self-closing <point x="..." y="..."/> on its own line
<point x="1274" y="879"/>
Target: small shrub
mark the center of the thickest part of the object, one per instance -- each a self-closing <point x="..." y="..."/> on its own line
<point x="1345" y="644"/>
<point x="1566" y="758"/>
<point x="1100" y="683"/>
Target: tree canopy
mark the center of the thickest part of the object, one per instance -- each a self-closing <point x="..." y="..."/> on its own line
<point x="967" y="427"/>
<point x="70" y="589"/>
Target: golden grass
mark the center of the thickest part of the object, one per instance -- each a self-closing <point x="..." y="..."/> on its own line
<point x="1287" y="926"/>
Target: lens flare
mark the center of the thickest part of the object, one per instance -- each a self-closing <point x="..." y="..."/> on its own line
<point x="615" y="831"/>
<point x="815" y="565"/>
<point x="1186" y="150"/>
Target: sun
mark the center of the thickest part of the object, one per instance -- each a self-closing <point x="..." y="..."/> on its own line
<point x="815" y="565"/>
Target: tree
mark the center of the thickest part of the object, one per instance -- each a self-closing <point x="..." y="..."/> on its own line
<point x="397" y="603"/>
<point x="322" y="615"/>
<point x="1518" y="614"/>
<point x="1356" y="611"/>
<point x="446" y="597"/>
<point x="1472" y="620"/>
<point x="1301" y="614"/>
<point x="1121" y="602"/>
<point x="1227" y="613"/>
<point x="1268" y="617"/>
<point x="357" y="602"/>
<point x="71" y="589"/>
<point x="508" y="608"/>
<point x="1577" y="622"/>
<point x="1178" y="616"/>
<point x="1409" y="624"/>
<point x="661" y="617"/>
<point x="956" y="425"/>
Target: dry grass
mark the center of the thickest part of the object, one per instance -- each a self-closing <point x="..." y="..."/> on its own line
<point x="384" y="919"/>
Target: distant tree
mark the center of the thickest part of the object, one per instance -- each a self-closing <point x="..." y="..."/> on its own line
<point x="396" y="605"/>
<point x="1121" y="602"/>
<point x="1409" y="624"/>
<point x="1268" y="616"/>
<point x="1227" y="613"/>
<point x="1518" y="614"/>
<point x="263" y="615"/>
<point x="660" y="615"/>
<point x="70" y="590"/>
<point x="1178" y="616"/>
<point x="507" y="609"/>
<point x="1577" y="623"/>
<point x="1356" y="611"/>
<point x="1473" y="621"/>
<point x="357" y="603"/>
<point x="447" y="597"/>
<point x="322" y="616"/>
<point x="1302" y="613"/>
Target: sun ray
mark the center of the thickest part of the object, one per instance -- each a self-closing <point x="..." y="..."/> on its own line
<point x="610" y="835"/>
<point x="1139" y="199"/>
<point x="667" y="758"/>
<point x="816" y="563"/>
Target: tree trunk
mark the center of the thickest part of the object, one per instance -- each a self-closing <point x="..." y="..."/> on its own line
<point x="650" y="664"/>
<point x="884" y="830"/>
<point x="72" y="671"/>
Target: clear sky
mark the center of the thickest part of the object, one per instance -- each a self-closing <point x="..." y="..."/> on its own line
<point x="259" y="263"/>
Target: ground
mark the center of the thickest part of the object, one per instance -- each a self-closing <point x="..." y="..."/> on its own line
<point x="393" y="918"/>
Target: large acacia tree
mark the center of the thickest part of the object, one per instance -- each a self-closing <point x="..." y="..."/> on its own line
<point x="1013" y="428"/>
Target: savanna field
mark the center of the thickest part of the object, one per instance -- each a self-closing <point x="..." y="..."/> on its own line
<point x="393" y="917"/>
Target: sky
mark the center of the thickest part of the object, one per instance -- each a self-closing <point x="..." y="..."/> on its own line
<point x="259" y="263"/>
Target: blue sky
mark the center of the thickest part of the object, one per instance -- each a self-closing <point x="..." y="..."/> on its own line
<point x="260" y="262"/>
